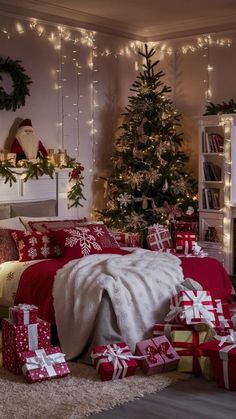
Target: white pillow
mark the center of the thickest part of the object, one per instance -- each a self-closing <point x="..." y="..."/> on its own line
<point x="12" y="223"/>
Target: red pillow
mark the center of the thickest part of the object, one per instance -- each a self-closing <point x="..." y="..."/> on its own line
<point x="35" y="245"/>
<point x="81" y="241"/>
<point x="103" y="235"/>
<point x="55" y="224"/>
<point x="8" y="249"/>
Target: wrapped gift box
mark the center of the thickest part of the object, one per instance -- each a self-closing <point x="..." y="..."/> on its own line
<point x="184" y="242"/>
<point x="186" y="343"/>
<point x="17" y="339"/>
<point x="205" y="364"/>
<point x="159" y="238"/>
<point x="222" y="353"/>
<point x="23" y="314"/>
<point x="165" y="329"/>
<point x="43" y="364"/>
<point x="186" y="227"/>
<point x="192" y="307"/>
<point x="129" y="239"/>
<point x="113" y="361"/>
<point x="159" y="355"/>
<point x="223" y="314"/>
<point x="232" y="309"/>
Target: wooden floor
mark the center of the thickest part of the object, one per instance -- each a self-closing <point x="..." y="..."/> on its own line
<point x="195" y="398"/>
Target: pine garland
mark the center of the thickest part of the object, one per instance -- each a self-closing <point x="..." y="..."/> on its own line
<point x="44" y="167"/>
<point x="75" y="194"/>
<point x="6" y="172"/>
<point x="40" y="168"/>
<point x="220" y="108"/>
<point x="21" y="81"/>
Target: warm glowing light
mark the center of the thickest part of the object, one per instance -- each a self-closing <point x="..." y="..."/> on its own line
<point x="19" y="28"/>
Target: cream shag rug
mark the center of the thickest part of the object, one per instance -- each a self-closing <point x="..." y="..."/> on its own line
<point x="75" y="396"/>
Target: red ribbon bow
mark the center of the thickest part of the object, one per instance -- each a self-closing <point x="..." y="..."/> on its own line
<point x="151" y="352"/>
<point x="161" y="349"/>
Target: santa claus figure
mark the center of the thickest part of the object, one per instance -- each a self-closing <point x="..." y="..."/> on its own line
<point x="26" y="144"/>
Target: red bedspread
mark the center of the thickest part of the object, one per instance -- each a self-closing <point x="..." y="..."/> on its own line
<point x="36" y="282"/>
<point x="36" y="285"/>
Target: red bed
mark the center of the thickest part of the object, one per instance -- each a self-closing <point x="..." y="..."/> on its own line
<point x="36" y="282"/>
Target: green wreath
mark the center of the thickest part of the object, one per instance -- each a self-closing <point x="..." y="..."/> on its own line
<point x="16" y="98"/>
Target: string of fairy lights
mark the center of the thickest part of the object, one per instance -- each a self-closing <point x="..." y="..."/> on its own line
<point x="59" y="35"/>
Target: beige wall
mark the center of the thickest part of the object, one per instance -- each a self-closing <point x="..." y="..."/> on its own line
<point x="47" y="107"/>
<point x="186" y="73"/>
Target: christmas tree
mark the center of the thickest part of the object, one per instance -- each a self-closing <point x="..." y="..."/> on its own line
<point x="149" y="183"/>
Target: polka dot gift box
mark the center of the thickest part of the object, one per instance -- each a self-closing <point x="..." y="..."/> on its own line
<point x="43" y="364"/>
<point x="17" y="339"/>
<point x="23" y="314"/>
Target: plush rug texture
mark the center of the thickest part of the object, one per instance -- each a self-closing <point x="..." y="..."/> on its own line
<point x="75" y="396"/>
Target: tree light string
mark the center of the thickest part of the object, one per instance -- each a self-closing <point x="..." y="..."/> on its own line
<point x="77" y="118"/>
<point x="227" y="124"/>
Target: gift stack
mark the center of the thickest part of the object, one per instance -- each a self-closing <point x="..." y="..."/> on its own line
<point x="183" y="227"/>
<point x="198" y="323"/>
<point x="26" y="346"/>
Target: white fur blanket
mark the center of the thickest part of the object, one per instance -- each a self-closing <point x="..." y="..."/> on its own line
<point x="139" y="286"/>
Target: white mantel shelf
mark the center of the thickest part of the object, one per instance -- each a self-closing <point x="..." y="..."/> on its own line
<point x="41" y="189"/>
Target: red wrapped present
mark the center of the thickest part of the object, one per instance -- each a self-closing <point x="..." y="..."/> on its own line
<point x="205" y="364"/>
<point x="23" y="314"/>
<point x="223" y="314"/>
<point x="186" y="343"/>
<point x="159" y="238"/>
<point x="222" y="352"/>
<point x="158" y="355"/>
<point x="192" y="307"/>
<point x="113" y="361"/>
<point x="184" y="242"/>
<point x="17" y="339"/>
<point x="165" y="329"/>
<point x="43" y="364"/>
<point x="232" y="312"/>
<point x="129" y="239"/>
<point x="186" y="226"/>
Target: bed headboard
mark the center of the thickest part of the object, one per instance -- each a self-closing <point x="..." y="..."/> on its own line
<point x="48" y="194"/>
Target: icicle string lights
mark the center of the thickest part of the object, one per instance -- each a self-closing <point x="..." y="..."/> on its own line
<point x="86" y="37"/>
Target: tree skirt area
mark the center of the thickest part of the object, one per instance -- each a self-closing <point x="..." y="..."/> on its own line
<point x="75" y="396"/>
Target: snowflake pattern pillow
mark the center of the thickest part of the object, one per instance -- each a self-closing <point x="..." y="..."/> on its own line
<point x="103" y="235"/>
<point x="83" y="241"/>
<point x="8" y="250"/>
<point x="35" y="245"/>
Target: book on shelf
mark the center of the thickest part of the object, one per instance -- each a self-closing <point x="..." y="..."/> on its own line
<point x="212" y="172"/>
<point x="212" y="143"/>
<point x="211" y="198"/>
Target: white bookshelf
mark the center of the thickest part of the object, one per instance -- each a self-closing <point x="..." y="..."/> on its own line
<point x="217" y="184"/>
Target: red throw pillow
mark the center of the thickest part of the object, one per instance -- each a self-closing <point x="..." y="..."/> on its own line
<point x="8" y="249"/>
<point x="82" y="241"/>
<point x="55" y="224"/>
<point x="35" y="245"/>
<point x="103" y="235"/>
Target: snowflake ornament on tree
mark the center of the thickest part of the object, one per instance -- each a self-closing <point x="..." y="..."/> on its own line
<point x="124" y="199"/>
